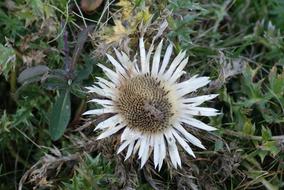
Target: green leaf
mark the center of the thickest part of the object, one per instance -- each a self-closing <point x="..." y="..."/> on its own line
<point x="37" y="8"/>
<point x="56" y="80"/>
<point x="54" y="83"/>
<point x="269" y="185"/>
<point x="77" y="90"/>
<point x="265" y="133"/>
<point x="250" y="88"/>
<point x="276" y="82"/>
<point x="60" y="115"/>
<point x="4" y="123"/>
<point x="7" y="60"/>
<point x="272" y="147"/>
<point x="22" y="117"/>
<point x="262" y="154"/>
<point x="85" y="70"/>
<point x="219" y="145"/>
<point x="202" y="50"/>
<point x="248" y="128"/>
<point x="33" y="73"/>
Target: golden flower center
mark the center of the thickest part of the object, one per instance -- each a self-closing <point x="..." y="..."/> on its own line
<point x="143" y="103"/>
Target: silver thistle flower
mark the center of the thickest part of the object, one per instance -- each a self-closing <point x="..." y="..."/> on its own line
<point x="150" y="106"/>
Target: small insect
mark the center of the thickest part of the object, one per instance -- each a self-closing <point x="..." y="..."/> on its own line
<point x="153" y="111"/>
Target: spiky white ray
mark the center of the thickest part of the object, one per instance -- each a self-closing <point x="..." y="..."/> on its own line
<point x="117" y="66"/>
<point x="106" y="82"/>
<point x="174" y="65"/>
<point x="123" y="59"/>
<point x="192" y="139"/>
<point x="196" y="123"/>
<point x="112" y="121"/>
<point x="179" y="71"/>
<point x="149" y="53"/>
<point x="156" y="59"/>
<point x="172" y="148"/>
<point x="144" y="150"/>
<point x="157" y="149"/>
<point x="144" y="65"/>
<point x="106" y="89"/>
<point x="137" y="145"/>
<point x="110" y="74"/>
<point x="129" y="150"/>
<point x="110" y="131"/>
<point x="191" y="85"/>
<point x="143" y="145"/>
<point x="163" y="151"/>
<point x="123" y="146"/>
<point x="107" y="92"/>
<point x="166" y="59"/>
<point x="132" y="69"/>
<point x="200" y="111"/>
<point x="196" y="101"/>
<point x="103" y="102"/>
<point x="129" y="135"/>
<point x="182" y="142"/>
<point x="119" y="56"/>
<point x="99" y="111"/>
<point x="95" y="89"/>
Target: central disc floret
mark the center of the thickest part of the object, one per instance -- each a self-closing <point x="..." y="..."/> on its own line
<point x="143" y="103"/>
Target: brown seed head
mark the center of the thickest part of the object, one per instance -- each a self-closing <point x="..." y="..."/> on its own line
<point x="143" y="103"/>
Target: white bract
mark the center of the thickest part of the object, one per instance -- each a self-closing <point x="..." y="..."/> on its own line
<point x="151" y="108"/>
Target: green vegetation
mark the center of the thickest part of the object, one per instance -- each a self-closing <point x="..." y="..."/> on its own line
<point x="49" y="51"/>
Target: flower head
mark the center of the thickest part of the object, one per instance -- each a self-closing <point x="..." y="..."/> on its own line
<point x="150" y="106"/>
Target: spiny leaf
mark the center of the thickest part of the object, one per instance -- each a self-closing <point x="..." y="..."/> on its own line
<point x="7" y="60"/>
<point x="248" y="128"/>
<point x="276" y="81"/>
<point x="37" y="7"/>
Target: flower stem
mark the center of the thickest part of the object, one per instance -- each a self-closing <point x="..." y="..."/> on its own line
<point x="250" y="137"/>
<point x="13" y="81"/>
